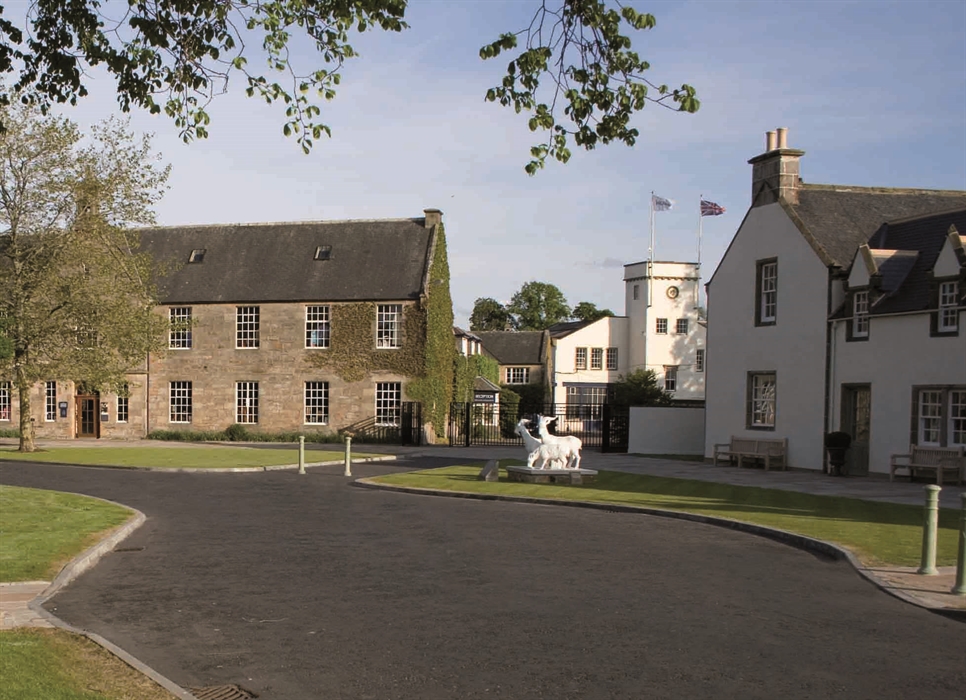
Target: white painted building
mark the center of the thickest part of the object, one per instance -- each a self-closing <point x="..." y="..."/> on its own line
<point x="666" y="325"/>
<point x="773" y="337"/>
<point x="586" y="358"/>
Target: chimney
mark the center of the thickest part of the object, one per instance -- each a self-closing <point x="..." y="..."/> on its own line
<point x="774" y="173"/>
<point x="433" y="217"/>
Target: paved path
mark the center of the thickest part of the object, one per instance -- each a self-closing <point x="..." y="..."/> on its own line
<point x="304" y="587"/>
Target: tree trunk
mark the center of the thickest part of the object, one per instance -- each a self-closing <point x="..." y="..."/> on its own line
<point x="26" y="422"/>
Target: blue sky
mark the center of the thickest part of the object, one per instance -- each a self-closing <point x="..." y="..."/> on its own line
<point x="873" y="92"/>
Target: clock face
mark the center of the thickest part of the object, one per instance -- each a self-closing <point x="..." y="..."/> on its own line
<point x="672" y="292"/>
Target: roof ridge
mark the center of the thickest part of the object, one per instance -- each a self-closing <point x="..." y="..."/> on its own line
<point x="280" y="223"/>
<point x="930" y="215"/>
<point x="882" y="190"/>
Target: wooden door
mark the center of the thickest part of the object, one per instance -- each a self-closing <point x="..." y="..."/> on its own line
<point x="88" y="423"/>
<point x="857" y="422"/>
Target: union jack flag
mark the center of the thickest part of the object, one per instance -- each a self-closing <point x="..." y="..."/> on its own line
<point x="711" y="209"/>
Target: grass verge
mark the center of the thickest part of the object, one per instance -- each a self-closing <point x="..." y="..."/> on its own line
<point x="44" y="664"/>
<point x="174" y="456"/>
<point x="41" y="530"/>
<point x="878" y="533"/>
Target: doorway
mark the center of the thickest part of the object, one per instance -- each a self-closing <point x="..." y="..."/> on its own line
<point x="857" y="422"/>
<point x="86" y="416"/>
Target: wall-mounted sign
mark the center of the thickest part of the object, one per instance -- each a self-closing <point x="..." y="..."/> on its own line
<point x="484" y="397"/>
<point x="62" y="406"/>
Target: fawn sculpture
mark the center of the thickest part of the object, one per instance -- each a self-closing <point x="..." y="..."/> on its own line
<point x="569" y="445"/>
<point x="538" y="452"/>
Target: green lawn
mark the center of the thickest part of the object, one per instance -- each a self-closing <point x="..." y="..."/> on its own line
<point x="41" y="530"/>
<point x="878" y="533"/>
<point x="45" y="664"/>
<point x="176" y="456"/>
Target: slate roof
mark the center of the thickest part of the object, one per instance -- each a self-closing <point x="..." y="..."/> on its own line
<point x="837" y="219"/>
<point x="380" y="260"/>
<point x="565" y="328"/>
<point x="925" y="235"/>
<point x="484" y="384"/>
<point x="894" y="267"/>
<point x="515" y="347"/>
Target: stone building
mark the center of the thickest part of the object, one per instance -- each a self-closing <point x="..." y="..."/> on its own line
<point x="312" y="326"/>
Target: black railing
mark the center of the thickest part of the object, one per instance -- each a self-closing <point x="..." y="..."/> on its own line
<point x="403" y="429"/>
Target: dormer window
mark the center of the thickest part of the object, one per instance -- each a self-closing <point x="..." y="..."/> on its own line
<point x="323" y="252"/>
<point x="860" y="315"/>
<point x="948" y="303"/>
<point x="197" y="255"/>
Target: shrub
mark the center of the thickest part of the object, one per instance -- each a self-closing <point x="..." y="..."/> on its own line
<point x="236" y="433"/>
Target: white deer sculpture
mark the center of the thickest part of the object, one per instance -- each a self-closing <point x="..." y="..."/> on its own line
<point x="537" y="452"/>
<point x="569" y="444"/>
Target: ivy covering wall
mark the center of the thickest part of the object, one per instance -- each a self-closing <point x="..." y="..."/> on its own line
<point x="433" y="384"/>
<point x="467" y="369"/>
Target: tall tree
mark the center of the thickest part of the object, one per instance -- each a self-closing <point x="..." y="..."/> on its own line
<point x="537" y="306"/>
<point x="639" y="388"/>
<point x="489" y="315"/>
<point x="178" y="55"/>
<point x="77" y="297"/>
<point x="587" y="311"/>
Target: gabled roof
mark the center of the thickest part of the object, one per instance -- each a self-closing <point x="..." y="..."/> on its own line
<point x="837" y="219"/>
<point x="893" y="267"/>
<point x="380" y="260"/>
<point x="484" y="384"/>
<point x="515" y="347"/>
<point x="460" y="333"/>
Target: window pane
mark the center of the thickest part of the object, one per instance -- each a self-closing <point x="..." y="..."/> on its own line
<point x="122" y="405"/>
<point x="517" y="375"/>
<point x="316" y="326"/>
<point x="769" y="291"/>
<point x="4" y="401"/>
<point x="580" y="358"/>
<point x="682" y="326"/>
<point x="957" y="417"/>
<point x="597" y="358"/>
<point x="661" y="326"/>
<point x="860" y="314"/>
<point x="763" y="400"/>
<point x="670" y="378"/>
<point x="179" y="402"/>
<point x="246" y="326"/>
<point x="388" y="319"/>
<point x="388" y="401"/>
<point x="699" y="360"/>
<point x="179" y="336"/>
<point x="317" y="402"/>
<point x="246" y="402"/>
<point x="611" y="358"/>
<point x="50" y="401"/>
<point x="948" y="301"/>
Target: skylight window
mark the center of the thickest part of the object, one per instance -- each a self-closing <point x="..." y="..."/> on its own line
<point x="323" y="252"/>
<point x="197" y="255"/>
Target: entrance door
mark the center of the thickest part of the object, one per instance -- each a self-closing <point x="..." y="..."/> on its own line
<point x="856" y="421"/>
<point x="88" y="423"/>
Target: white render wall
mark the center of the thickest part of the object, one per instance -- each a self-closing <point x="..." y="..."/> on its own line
<point x="794" y="348"/>
<point x="609" y="332"/>
<point x="898" y="355"/>
<point x="647" y="348"/>
<point x="666" y="430"/>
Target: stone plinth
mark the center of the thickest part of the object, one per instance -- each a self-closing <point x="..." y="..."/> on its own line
<point x="531" y="475"/>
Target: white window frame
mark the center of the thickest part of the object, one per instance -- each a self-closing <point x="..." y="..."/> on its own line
<point x="660" y="327"/>
<point x="612" y="359"/>
<point x="929" y="429"/>
<point x="50" y="401"/>
<point x="957" y="418"/>
<point x="580" y="358"/>
<point x="681" y="326"/>
<point x="517" y="375"/>
<point x="670" y="377"/>
<point x="763" y="394"/>
<point x="389" y="326"/>
<point x="246" y="403"/>
<point x="179" y="402"/>
<point x="388" y="403"/>
<point x="247" y="327"/>
<point x="948" y="306"/>
<point x="123" y="406"/>
<point x="860" y="314"/>
<point x="316" y="403"/>
<point x="597" y="358"/>
<point x="179" y="333"/>
<point x="768" y="309"/>
<point x="317" y="327"/>
<point x="6" y="400"/>
<point x="699" y="360"/>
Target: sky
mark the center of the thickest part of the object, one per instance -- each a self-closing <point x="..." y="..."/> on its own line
<point x="873" y="92"/>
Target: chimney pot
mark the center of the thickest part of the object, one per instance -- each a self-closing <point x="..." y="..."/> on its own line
<point x="782" y="137"/>
<point x="433" y="217"/>
<point x="769" y="141"/>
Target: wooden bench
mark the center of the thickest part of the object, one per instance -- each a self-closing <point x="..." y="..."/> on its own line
<point x="930" y="459"/>
<point x="770" y="450"/>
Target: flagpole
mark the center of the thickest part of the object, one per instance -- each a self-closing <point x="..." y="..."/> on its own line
<point x="650" y="258"/>
<point x="697" y="296"/>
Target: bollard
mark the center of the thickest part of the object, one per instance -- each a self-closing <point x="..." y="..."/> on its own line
<point x="927" y="566"/>
<point x="348" y="456"/>
<point x="301" y="454"/>
<point x="960" y="587"/>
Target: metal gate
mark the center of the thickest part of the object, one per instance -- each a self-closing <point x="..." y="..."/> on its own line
<point x="406" y="428"/>
<point x="597" y="425"/>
